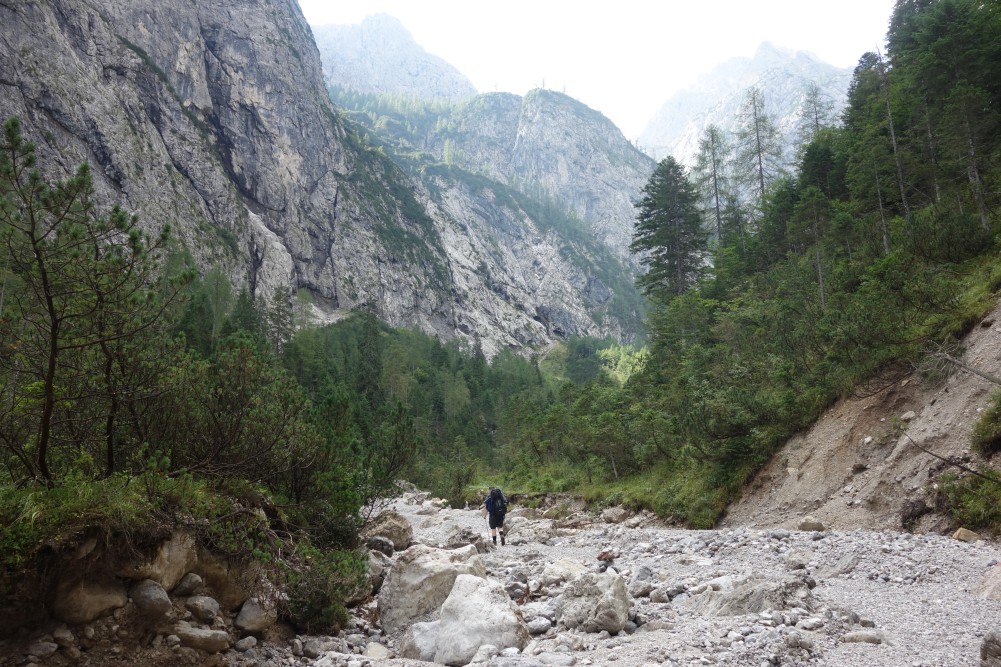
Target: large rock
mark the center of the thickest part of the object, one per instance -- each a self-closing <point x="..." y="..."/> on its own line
<point x="420" y="641"/>
<point x="615" y="515"/>
<point x="594" y="602"/>
<point x="378" y="566"/>
<point x="202" y="607"/>
<point x="990" y="586"/>
<point x="174" y="558"/>
<point x="420" y="581"/>
<point x="752" y="595"/>
<point x="150" y="599"/>
<point x="561" y="571"/>
<point x="81" y="600"/>
<point x="255" y="617"/>
<point x="476" y="613"/>
<point x="203" y="639"/>
<point x="965" y="535"/>
<point x="393" y="526"/>
<point x="990" y="649"/>
<point x="811" y="524"/>
<point x="229" y="581"/>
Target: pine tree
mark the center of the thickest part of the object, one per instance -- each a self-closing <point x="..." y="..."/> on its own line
<point x="74" y="329"/>
<point x="669" y="233"/>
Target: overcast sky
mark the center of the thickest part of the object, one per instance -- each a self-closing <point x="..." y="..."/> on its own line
<point x="624" y="58"/>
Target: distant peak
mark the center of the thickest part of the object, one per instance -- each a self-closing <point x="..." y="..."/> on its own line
<point x="767" y="50"/>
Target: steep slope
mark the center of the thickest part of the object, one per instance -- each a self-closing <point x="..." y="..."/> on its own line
<point x="716" y="98"/>
<point x="214" y="118"/>
<point x="860" y="465"/>
<point x="550" y="145"/>
<point x="379" y="55"/>
<point x="545" y="144"/>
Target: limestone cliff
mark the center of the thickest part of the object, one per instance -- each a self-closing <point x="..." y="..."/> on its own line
<point x="379" y="55"/>
<point x="213" y="117"/>
<point x="544" y="144"/>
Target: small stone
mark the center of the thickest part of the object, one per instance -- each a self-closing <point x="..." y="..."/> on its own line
<point x="188" y="585"/>
<point x="43" y="649"/>
<point x="965" y="535"/>
<point x="811" y="524"/>
<point x="377" y="651"/>
<point x="245" y="644"/>
<point x="63" y="636"/>
<point x="863" y="637"/>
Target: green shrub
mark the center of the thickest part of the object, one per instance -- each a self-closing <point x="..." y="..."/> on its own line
<point x="316" y="585"/>
<point x="973" y="502"/>
<point x="986" y="435"/>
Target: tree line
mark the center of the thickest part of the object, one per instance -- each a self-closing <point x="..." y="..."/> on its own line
<point x="776" y="288"/>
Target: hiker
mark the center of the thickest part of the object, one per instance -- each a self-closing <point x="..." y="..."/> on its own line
<point x="494" y="509"/>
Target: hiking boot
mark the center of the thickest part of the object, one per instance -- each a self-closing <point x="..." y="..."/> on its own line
<point x="502" y="539"/>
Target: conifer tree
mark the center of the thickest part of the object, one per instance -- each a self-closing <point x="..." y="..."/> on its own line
<point x="669" y="233"/>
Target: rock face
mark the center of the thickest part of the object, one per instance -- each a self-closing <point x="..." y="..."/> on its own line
<point x="549" y="142"/>
<point x="81" y="599"/>
<point x="380" y="56"/>
<point x="477" y="612"/>
<point x="173" y="559"/>
<point x="214" y="118"/>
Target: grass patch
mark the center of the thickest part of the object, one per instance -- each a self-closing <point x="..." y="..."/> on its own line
<point x="973" y="502"/>
<point x="986" y="435"/>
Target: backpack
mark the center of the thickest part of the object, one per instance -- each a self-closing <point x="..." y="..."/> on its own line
<point x="498" y="503"/>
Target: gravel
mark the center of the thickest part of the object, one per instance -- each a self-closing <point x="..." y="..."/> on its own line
<point x="878" y="598"/>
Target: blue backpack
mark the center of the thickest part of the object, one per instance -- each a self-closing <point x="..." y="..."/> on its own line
<point x="496" y="503"/>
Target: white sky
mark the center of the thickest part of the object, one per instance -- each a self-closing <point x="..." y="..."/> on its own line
<point x="624" y="58"/>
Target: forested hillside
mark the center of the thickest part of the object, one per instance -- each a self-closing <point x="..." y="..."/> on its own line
<point x="138" y="397"/>
<point x="879" y="249"/>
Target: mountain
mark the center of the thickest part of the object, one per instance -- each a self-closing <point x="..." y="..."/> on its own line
<point x="380" y="56"/>
<point x="716" y="98"/>
<point x="548" y="144"/>
<point x="214" y="118"/>
<point x="544" y="144"/>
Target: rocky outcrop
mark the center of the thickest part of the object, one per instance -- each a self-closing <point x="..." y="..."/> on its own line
<point x="550" y="145"/>
<point x="81" y="598"/>
<point x="861" y="466"/>
<point x="214" y="118"/>
<point x="380" y="56"/>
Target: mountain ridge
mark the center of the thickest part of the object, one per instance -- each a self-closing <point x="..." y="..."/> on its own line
<point x="217" y="122"/>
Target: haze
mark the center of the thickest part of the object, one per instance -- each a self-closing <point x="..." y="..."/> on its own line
<point x="622" y="58"/>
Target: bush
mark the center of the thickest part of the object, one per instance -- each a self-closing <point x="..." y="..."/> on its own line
<point x="986" y="435"/>
<point x="973" y="502"/>
<point x="316" y="585"/>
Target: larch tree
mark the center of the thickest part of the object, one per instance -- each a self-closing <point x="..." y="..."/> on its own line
<point x="711" y="176"/>
<point x="759" y="156"/>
